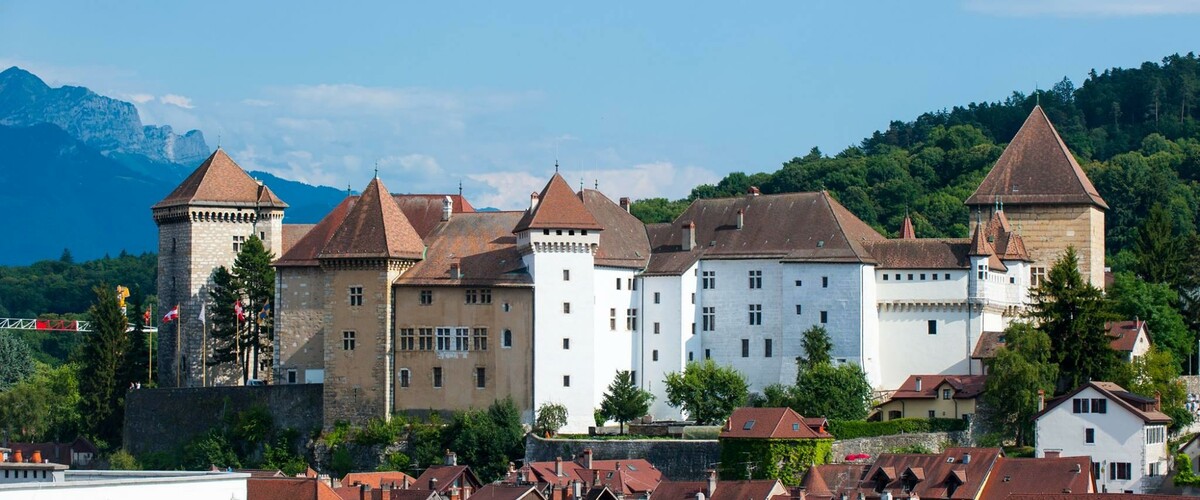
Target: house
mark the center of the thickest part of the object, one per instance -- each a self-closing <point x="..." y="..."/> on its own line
<point x="508" y="492"/>
<point x="558" y="480"/>
<point x="387" y="492"/>
<point x="1039" y="476"/>
<point x="714" y="489"/>
<point x="1192" y="449"/>
<point x="1125" y="435"/>
<point x="934" y="396"/>
<point x="78" y="453"/>
<point x="289" y="488"/>
<point x="450" y="481"/>
<point x="1130" y="339"/>
<point x="393" y="479"/>
<point x="772" y="443"/>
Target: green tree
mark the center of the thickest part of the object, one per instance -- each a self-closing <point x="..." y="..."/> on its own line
<point x="1160" y="253"/>
<point x="102" y="369"/>
<point x="707" y="392"/>
<point x="817" y="347"/>
<point x="1157" y="373"/>
<point x="226" y="334"/>
<point x="1020" y="369"/>
<point x="624" y="400"/>
<point x="835" y="392"/>
<point x="1154" y="303"/>
<point x="1073" y="313"/>
<point x="487" y="439"/>
<point x="255" y="280"/>
<point x="16" y="360"/>
<point x="550" y="418"/>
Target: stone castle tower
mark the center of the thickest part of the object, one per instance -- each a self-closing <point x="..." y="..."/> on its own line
<point x="1047" y="198"/>
<point x="201" y="226"/>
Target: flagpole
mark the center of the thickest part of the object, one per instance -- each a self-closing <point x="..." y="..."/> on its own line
<point x="150" y="350"/>
<point x="203" y="349"/>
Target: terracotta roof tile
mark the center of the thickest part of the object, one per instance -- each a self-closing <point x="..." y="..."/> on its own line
<point x="759" y="489"/>
<point x="822" y="482"/>
<point x="219" y="181"/>
<point x="769" y="423"/>
<point x="374" y="228"/>
<point x="987" y="345"/>
<point x="304" y="251"/>
<point x="625" y="477"/>
<point x="1038" y="476"/>
<point x="557" y="208"/>
<point x="483" y="246"/>
<point x="1095" y="496"/>
<point x="964" y="386"/>
<point x="424" y="211"/>
<point x="940" y="471"/>
<point x="920" y="253"/>
<point x="1036" y="167"/>
<point x="623" y="241"/>
<point x="446" y="475"/>
<point x="1138" y="405"/>
<point x="1123" y="335"/>
<point x="378" y="479"/>
<point x="292" y="233"/>
<point x="288" y="488"/>
<point x="507" y="492"/>
<point x="907" y="232"/>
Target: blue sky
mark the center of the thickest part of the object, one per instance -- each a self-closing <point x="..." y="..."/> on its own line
<point x="649" y="100"/>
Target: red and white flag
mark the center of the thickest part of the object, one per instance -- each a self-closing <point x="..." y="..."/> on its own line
<point x="171" y="315"/>
<point x="237" y="308"/>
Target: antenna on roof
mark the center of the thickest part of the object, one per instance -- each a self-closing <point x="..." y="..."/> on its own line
<point x="376" y="169"/>
<point x="460" y="188"/>
<point x="581" y="183"/>
<point x="348" y="191"/>
<point x="556" y="162"/>
<point x="597" y="184"/>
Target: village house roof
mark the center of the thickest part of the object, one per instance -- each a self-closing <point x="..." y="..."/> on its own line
<point x="1038" y="476"/>
<point x="288" y="488"/>
<point x="59" y="453"/>
<point x="623" y="241"/>
<point x="1037" y="168"/>
<point x="1140" y="406"/>
<point x="956" y="473"/>
<point x="987" y="345"/>
<point x="483" y="247"/>
<point x="771" y="423"/>
<point x="304" y="251"/>
<point x="926" y="253"/>
<point x="508" y="492"/>
<point x="557" y="208"/>
<point x="964" y="386"/>
<point x="759" y="489"/>
<point x="219" y="181"/>
<point x="624" y="477"/>
<point x="374" y="228"/>
<point x="907" y="232"/>
<point x="792" y="227"/>
<point x="1095" y="496"/>
<point x="395" y="479"/>
<point x="441" y="478"/>
<point x="368" y="492"/>
<point x="1124" y="334"/>
<point x="822" y="481"/>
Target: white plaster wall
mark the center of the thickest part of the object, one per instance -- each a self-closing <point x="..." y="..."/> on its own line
<point x="872" y="362"/>
<point x="732" y="298"/>
<point x="850" y="316"/>
<point x="909" y="349"/>
<point x="114" y="487"/>
<point x="1120" y="437"/>
<point x="916" y="289"/>
<point x="670" y="342"/>
<point x="613" y="350"/>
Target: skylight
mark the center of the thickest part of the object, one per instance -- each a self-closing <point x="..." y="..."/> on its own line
<point x="749" y="425"/>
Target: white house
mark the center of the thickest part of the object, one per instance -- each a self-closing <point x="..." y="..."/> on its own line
<point x="1124" y="433"/>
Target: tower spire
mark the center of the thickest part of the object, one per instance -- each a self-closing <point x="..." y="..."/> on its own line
<point x="460" y="188"/>
<point x="376" y="169"/>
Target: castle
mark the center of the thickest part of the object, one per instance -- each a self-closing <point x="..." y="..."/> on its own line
<point x="409" y="303"/>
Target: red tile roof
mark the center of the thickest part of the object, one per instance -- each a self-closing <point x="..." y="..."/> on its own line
<point x="942" y="473"/>
<point x="759" y="489"/>
<point x="1123" y="335"/>
<point x="1038" y="476"/>
<point x="822" y="482"/>
<point x="623" y="242"/>
<point x="221" y="182"/>
<point x="304" y="251"/>
<point x="447" y="476"/>
<point x="1037" y="167"/>
<point x="291" y="234"/>
<point x="1096" y="496"/>
<point x="907" y="232"/>
<point x="988" y="344"/>
<point x="625" y="477"/>
<point x="964" y="386"/>
<point x="769" y="423"/>
<point x="424" y="211"/>
<point x="374" y="228"/>
<point x="1007" y="244"/>
<point x="920" y="254"/>
<point x="288" y="488"/>
<point x="508" y="492"/>
<point x="483" y="246"/>
<point x="1140" y="406"/>
<point x="557" y="208"/>
<point x="378" y="479"/>
<point x="981" y="247"/>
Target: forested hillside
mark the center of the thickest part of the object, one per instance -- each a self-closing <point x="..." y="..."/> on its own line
<point x="64" y="287"/>
<point x="1135" y="131"/>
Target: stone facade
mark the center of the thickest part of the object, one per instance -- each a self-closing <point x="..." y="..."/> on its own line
<point x="299" y="327"/>
<point x="1049" y="229"/>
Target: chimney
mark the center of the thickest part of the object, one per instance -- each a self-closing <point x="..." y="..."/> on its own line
<point x="586" y="458"/>
<point x="918" y="389"/>
<point x="689" y="236"/>
<point x="625" y="203"/>
<point x="37" y="457"/>
<point x="729" y="424"/>
<point x="405" y="484"/>
<point x="451" y="458"/>
<point x="447" y="208"/>
<point x="578" y="489"/>
<point x="1041" y="399"/>
<point x="1053" y="453"/>
<point x="433" y="484"/>
<point x="533" y="201"/>
<point x="741" y="220"/>
<point x="455" y="493"/>
<point x="1157" y="404"/>
<point x="966" y="458"/>
<point x="595" y="478"/>
<point x="558" y="466"/>
<point x="18" y="457"/>
<point x="699" y="495"/>
<point x="754" y="191"/>
<point x="455" y="271"/>
<point x="364" y="492"/>
<point x="712" y="482"/>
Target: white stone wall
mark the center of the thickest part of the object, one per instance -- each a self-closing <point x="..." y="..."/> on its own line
<point x="613" y="348"/>
<point x="908" y="348"/>
<point x="674" y="342"/>
<point x="134" y="485"/>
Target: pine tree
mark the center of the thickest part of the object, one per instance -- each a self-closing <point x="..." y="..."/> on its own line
<point x="624" y="400"/>
<point x="255" y="279"/>
<point x="225" y="333"/>
<point x="1073" y="313"/>
<point x="817" y="347"/>
<point x="1160" y="253"/>
<point x="1020" y="369"/>
<point x="101" y="382"/>
<point x="138" y="359"/>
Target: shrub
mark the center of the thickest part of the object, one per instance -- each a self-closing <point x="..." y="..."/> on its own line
<point x="123" y="460"/>
<point x="550" y="418"/>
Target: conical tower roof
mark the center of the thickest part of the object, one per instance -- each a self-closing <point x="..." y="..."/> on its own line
<point x="219" y="181"/>
<point x="979" y="243"/>
<point x="374" y="228"/>
<point x="906" y="229"/>
<point x="1037" y="168"/>
<point x="558" y="208"/>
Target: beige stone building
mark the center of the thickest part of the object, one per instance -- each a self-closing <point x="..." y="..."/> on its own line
<point x="1048" y="199"/>
<point x="934" y="396"/>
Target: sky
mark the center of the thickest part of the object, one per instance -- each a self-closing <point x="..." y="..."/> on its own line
<point x="641" y="100"/>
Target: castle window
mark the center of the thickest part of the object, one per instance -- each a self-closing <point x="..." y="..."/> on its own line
<point x="443" y="338"/>
<point x="755" y="279"/>
<point x="262" y="235"/>
<point x="768" y="348"/>
<point x="425" y="340"/>
<point x="462" y="338"/>
<point x="709" y="280"/>
<point x="825" y="281"/>
<point x="612" y="319"/>
<point x="922" y="276"/>
<point x="507" y="307"/>
<point x="885" y="276"/>
<point x="480" y="338"/>
<point x="566" y="344"/>
<point x="693" y="298"/>
<point x="173" y="245"/>
<point x="799" y="309"/>
<point x="799" y="282"/>
<point x="546" y="232"/>
<point x="618" y="283"/>
<point x="566" y="308"/>
<point x="932" y="327"/>
<point x="824" y="317"/>
<point x="1012" y="280"/>
<point x="566" y="275"/>
<point x="708" y="354"/>
<point x="405" y="377"/>
<point x="657" y="298"/>
<point x="437" y="376"/>
<point x="479" y="296"/>
<point x="654" y="355"/>
<point x="631" y="319"/>
<point x="506" y="339"/>
<point x="356" y="296"/>
<point x="571" y="232"/>
<point x="632" y="284"/>
<point x="238" y="241"/>
<point x="755" y="314"/>
<point x="708" y="319"/>
<point x="910" y="277"/>
<point x="691" y="356"/>
<point x="348" y="340"/>
<point x="408" y="339"/>
<point x="935" y="275"/>
<point x="291" y="376"/>
<point x="657" y="327"/>
<point x="897" y="276"/>
<point x="558" y="232"/>
<point x="583" y="232"/>
<point x="480" y="377"/>
<point x="566" y="381"/>
<point x="745" y="348"/>
<point x="1036" y="276"/>
<point x="426" y="297"/>
<point x="947" y="276"/>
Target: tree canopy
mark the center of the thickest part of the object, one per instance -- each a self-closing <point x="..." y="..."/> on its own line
<point x="706" y="391"/>
<point x="1022" y="368"/>
<point x="1073" y="313"/>
<point x="624" y="400"/>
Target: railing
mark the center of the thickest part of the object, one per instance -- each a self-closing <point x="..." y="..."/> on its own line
<point x="55" y="325"/>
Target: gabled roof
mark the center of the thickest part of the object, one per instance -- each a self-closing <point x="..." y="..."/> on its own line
<point x="769" y="423"/>
<point x="378" y="479"/>
<point x="289" y="488"/>
<point x="940" y="471"/>
<point x="304" y="251"/>
<point x="821" y="482"/>
<point x="374" y="228"/>
<point x="758" y="489"/>
<point x="424" y="211"/>
<point x="221" y="182"/>
<point x="964" y="386"/>
<point x="1140" y="406"/>
<point x="920" y="253"/>
<point x="557" y="208"/>
<point x="446" y="475"/>
<point x="1007" y="244"/>
<point x="981" y="247"/>
<point x="623" y="242"/>
<point x="508" y="492"/>
<point x="988" y="344"/>
<point x="791" y="227"/>
<point x="1123" y="335"/>
<point x="1038" y="476"/>
<point x="292" y="234"/>
<point x="1037" y="167"/>
<point x="634" y="477"/>
<point x="480" y="243"/>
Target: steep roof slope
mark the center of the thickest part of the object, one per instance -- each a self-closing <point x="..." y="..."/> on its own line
<point x="220" y="181"/>
<point x="374" y="228"/>
<point x="483" y="246"/>
<point x="1037" y="167"/>
<point x="623" y="242"/>
<point x="304" y="251"/>
<point x="1038" y="476"/>
<point x="557" y="208"/>
<point x="424" y="211"/>
<point x="769" y="423"/>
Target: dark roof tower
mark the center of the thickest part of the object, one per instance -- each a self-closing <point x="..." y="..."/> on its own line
<point x="557" y="207"/>
<point x="374" y="228"/>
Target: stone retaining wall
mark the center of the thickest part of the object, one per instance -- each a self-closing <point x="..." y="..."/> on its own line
<point x="678" y="459"/>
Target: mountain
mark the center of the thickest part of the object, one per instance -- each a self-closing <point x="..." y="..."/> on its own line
<point x="81" y="171"/>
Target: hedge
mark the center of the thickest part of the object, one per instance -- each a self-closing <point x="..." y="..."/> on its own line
<point x="850" y="429"/>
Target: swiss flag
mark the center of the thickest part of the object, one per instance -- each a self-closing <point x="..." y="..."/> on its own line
<point x="237" y="308"/>
<point x="171" y="315"/>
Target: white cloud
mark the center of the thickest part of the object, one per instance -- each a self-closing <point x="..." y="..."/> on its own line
<point x="258" y="103"/>
<point x="176" y="100"/>
<point x="1083" y="8"/>
<point x="140" y="98"/>
<point x="510" y="190"/>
